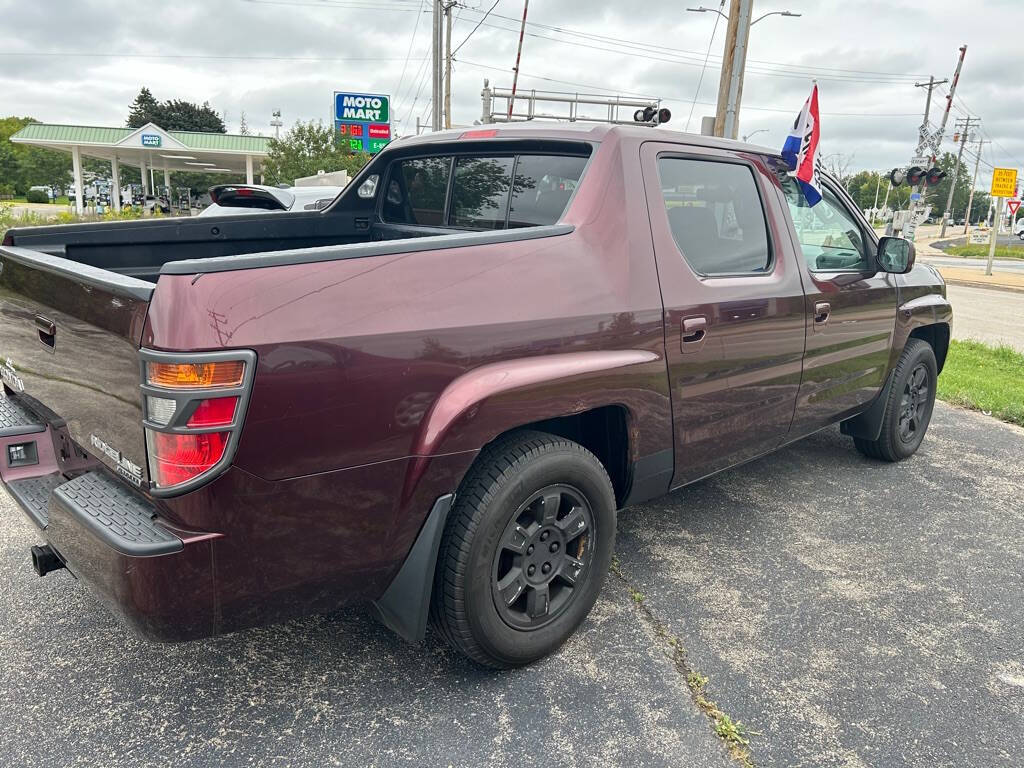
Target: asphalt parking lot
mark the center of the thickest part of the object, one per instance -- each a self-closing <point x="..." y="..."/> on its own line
<point x="850" y="613"/>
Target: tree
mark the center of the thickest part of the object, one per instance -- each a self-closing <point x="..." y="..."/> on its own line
<point x="305" y="150"/>
<point x="174" y="114"/>
<point x="243" y="125"/>
<point x="23" y="166"/>
<point x="838" y="166"/>
<point x="143" y="110"/>
<point x="938" y="194"/>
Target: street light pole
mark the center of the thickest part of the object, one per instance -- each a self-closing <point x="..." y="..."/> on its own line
<point x="734" y="62"/>
<point x="754" y="133"/>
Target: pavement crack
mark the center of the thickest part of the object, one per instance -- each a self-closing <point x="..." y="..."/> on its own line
<point x="733" y="733"/>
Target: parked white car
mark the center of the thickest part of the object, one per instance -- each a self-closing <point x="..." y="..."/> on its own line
<point x="1018" y="229"/>
<point x="230" y="199"/>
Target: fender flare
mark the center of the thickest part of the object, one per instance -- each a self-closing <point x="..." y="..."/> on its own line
<point x="404" y="606"/>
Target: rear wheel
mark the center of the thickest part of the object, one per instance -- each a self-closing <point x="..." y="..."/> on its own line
<point x="908" y="411"/>
<point x="525" y="550"/>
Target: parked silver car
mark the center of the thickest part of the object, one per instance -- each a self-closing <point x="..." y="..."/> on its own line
<point x="230" y="199"/>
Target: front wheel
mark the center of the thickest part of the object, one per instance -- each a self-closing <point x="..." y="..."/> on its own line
<point x="525" y="550"/>
<point x="908" y="410"/>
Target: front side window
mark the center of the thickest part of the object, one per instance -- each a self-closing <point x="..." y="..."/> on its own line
<point x="716" y="217"/>
<point x="416" y="191"/>
<point x="829" y="236"/>
<point x="480" y="192"/>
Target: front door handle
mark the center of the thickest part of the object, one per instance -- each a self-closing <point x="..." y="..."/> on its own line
<point x="695" y="330"/>
<point x="822" y="312"/>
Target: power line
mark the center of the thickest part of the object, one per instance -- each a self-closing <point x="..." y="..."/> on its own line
<point x="389" y="5"/>
<point x="648" y="46"/>
<point x="684" y="61"/>
<point x="965" y="110"/>
<point x="676" y="55"/>
<point x="408" y="53"/>
<point x="482" y="20"/>
<point x="213" y="56"/>
<point x="700" y="80"/>
<point x="555" y="80"/>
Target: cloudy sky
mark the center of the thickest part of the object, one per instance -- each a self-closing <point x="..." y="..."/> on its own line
<point x="83" y="61"/>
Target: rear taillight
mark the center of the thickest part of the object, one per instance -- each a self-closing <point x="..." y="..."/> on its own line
<point x="175" y="458"/>
<point x="193" y="410"/>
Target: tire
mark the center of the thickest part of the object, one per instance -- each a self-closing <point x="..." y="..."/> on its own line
<point x="908" y="410"/>
<point x="525" y="550"/>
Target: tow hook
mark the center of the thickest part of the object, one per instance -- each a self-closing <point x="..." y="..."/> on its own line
<point x="44" y="560"/>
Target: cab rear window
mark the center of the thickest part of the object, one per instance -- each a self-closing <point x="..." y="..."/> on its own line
<point x="482" y="192"/>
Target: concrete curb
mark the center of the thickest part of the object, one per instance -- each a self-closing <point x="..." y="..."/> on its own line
<point x="979" y="284"/>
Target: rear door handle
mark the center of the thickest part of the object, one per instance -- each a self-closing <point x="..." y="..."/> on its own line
<point x="695" y="331"/>
<point x="822" y="312"/>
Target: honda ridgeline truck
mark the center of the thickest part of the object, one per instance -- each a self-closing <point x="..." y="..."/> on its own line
<point x="434" y="394"/>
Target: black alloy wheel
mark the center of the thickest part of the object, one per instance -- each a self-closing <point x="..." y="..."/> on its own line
<point x="915" y="404"/>
<point x="542" y="556"/>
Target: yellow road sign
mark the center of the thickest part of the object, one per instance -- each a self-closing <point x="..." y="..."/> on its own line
<point x="1004" y="182"/>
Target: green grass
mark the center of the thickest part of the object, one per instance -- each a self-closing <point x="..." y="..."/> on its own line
<point x="981" y="251"/>
<point x="984" y="378"/>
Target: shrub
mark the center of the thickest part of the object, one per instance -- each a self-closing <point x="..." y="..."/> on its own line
<point x="37" y="196"/>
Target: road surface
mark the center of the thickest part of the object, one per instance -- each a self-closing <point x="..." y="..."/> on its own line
<point x="989" y="315"/>
<point x="849" y="612"/>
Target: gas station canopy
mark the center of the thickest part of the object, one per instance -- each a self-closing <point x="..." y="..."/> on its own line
<point x="149" y="147"/>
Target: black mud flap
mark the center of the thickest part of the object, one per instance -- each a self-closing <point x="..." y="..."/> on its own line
<point x="405" y="605"/>
<point x="867" y="425"/>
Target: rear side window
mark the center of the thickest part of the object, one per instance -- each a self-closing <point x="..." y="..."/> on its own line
<point x="487" y="192"/>
<point x="543" y="186"/>
<point x="480" y="192"/>
<point x="715" y="214"/>
<point x="417" y="190"/>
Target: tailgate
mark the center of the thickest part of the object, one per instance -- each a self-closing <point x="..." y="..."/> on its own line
<point x="69" y="340"/>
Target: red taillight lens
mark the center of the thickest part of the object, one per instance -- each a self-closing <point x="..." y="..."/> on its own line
<point x="176" y="458"/>
<point x="218" y="412"/>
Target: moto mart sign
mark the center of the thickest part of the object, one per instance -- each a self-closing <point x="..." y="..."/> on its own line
<point x="362" y="108"/>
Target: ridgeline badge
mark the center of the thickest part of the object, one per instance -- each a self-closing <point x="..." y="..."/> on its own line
<point x="127" y="468"/>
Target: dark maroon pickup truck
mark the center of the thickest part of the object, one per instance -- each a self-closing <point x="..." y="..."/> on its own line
<point x="434" y="394"/>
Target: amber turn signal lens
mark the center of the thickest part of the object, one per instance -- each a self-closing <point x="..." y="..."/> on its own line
<point x="224" y="373"/>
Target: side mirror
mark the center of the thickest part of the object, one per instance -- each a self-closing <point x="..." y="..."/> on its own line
<point x="895" y="255"/>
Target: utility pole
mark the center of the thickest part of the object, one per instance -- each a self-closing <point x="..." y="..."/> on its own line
<point x="276" y="123"/>
<point x="956" y="170"/>
<point x="436" y="69"/>
<point x="448" y="64"/>
<point x="974" y="183"/>
<point x="734" y="60"/>
<point x="519" y="53"/>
